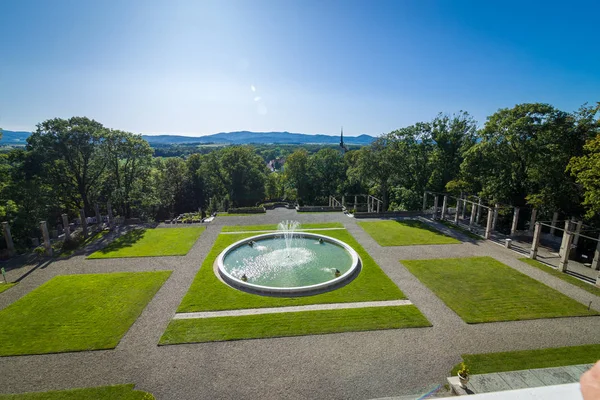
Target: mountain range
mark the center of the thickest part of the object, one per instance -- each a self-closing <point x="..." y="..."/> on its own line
<point x="242" y="137"/>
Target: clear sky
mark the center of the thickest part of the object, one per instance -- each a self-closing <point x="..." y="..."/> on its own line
<point x="200" y="67"/>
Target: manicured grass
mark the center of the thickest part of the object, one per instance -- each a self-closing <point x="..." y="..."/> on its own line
<point x="292" y="324"/>
<point x="273" y="227"/>
<point x="462" y="230"/>
<point x="405" y="233"/>
<point x="209" y="293"/>
<point x="117" y="392"/>
<point x="77" y="312"/>
<point x="481" y="289"/>
<point x="239" y="214"/>
<point x="151" y="243"/>
<point x="561" y="275"/>
<point x="540" y="358"/>
<point x="6" y="286"/>
<point x="96" y="236"/>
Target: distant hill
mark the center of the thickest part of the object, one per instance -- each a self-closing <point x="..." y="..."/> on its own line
<point x="14" y="138"/>
<point x="243" y="137"/>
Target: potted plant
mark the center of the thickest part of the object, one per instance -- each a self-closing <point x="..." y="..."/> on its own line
<point x="463" y="374"/>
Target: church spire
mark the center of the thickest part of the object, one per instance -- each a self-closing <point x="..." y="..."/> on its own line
<point x="342" y="145"/>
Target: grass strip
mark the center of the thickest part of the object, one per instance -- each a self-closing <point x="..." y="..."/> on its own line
<point x="482" y="289"/>
<point x="273" y="227"/>
<point x="528" y="359"/>
<point x="151" y="243"/>
<point x="208" y="293"/>
<point x="460" y="229"/>
<point x="96" y="236"/>
<point x="405" y="233"/>
<point x="116" y="392"/>
<point x="5" y="286"/>
<point x="77" y="312"/>
<point x="292" y="324"/>
<point x="561" y="275"/>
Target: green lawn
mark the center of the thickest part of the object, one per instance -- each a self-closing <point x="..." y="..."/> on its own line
<point x="460" y="229"/>
<point x="92" y="238"/>
<point x="151" y="243"/>
<point x="540" y="358"/>
<point x="561" y="275"/>
<point x="209" y="293"/>
<point x="481" y="289"/>
<point x="117" y="392"/>
<point x="77" y="312"/>
<point x="6" y="286"/>
<point x="239" y="214"/>
<point x="405" y="233"/>
<point x="273" y="227"/>
<point x="292" y="324"/>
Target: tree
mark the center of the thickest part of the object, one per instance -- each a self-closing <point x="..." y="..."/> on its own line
<point x="327" y="172"/>
<point x="297" y="173"/>
<point x="243" y="173"/>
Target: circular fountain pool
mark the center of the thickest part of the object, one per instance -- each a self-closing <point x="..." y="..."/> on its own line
<point x="297" y="263"/>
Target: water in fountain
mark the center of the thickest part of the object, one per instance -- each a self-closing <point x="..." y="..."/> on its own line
<point x="287" y="229"/>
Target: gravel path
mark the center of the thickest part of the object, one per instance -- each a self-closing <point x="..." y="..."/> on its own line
<point x="361" y="365"/>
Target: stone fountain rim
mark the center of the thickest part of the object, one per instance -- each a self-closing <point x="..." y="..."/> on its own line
<point x="310" y="289"/>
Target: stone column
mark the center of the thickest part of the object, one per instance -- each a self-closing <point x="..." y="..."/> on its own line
<point x="424" y="201"/>
<point x="355" y="202"/>
<point x="66" y="229"/>
<point x="98" y="217"/>
<point x="564" y="238"/>
<point x="378" y="204"/>
<point x="110" y="215"/>
<point x="46" y="236"/>
<point x="456" y="215"/>
<point x="464" y="208"/>
<point x="596" y="261"/>
<point x="10" y="245"/>
<point x="513" y="229"/>
<point x="473" y="212"/>
<point x="536" y="241"/>
<point x="84" y="227"/>
<point x="444" y="207"/>
<point x="577" y="232"/>
<point x="495" y="218"/>
<point x="564" y="258"/>
<point x="554" y="221"/>
<point x="488" y="226"/>
<point x="435" y="206"/>
<point x="532" y="220"/>
<point x="478" y="212"/>
<point x="343" y="201"/>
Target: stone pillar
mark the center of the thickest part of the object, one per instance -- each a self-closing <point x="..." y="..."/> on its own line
<point x="46" y="236"/>
<point x="10" y="245"/>
<point x="464" y="208"/>
<point x="473" y="212"/>
<point x="564" y="238"/>
<point x="532" y="220"/>
<point x="478" y="212"/>
<point x="536" y="241"/>
<point x="66" y="229"/>
<point x="564" y="258"/>
<point x="554" y="221"/>
<point x="378" y="204"/>
<point x="444" y="207"/>
<point x="84" y="227"/>
<point x="456" y="215"/>
<point x="488" y="226"/>
<point x="110" y="215"/>
<point x="343" y="201"/>
<point x="424" y="201"/>
<point x="98" y="217"/>
<point x="513" y="229"/>
<point x="577" y="232"/>
<point x="596" y="261"/>
<point x="355" y="202"/>
<point x="435" y="206"/>
<point x="495" y="218"/>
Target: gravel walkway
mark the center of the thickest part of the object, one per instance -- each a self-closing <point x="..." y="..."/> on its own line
<point x="360" y="365"/>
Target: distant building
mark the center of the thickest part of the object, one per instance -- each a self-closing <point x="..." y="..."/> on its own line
<point x="343" y="147"/>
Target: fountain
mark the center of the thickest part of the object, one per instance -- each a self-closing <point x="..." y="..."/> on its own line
<point x="288" y="262"/>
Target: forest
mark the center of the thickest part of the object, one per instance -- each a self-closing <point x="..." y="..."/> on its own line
<point x="529" y="155"/>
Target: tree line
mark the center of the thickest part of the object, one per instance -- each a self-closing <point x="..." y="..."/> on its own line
<point x="529" y="155"/>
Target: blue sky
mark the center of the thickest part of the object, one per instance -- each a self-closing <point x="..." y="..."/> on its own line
<point x="201" y="67"/>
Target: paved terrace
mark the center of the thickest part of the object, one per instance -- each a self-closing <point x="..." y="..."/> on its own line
<point x="362" y="365"/>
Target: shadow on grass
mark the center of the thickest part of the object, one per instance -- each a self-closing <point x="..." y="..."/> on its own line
<point x="126" y="240"/>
